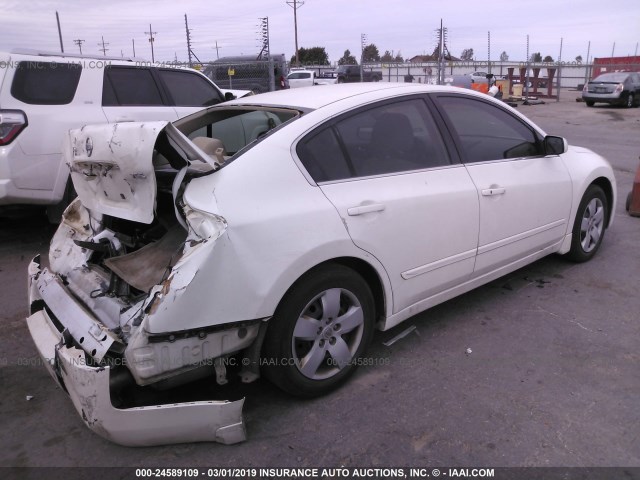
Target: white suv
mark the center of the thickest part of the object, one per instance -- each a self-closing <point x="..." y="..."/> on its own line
<point x="43" y="95"/>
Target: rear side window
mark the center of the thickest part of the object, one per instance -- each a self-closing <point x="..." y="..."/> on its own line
<point x="130" y="86"/>
<point x="46" y="83"/>
<point x="190" y="89"/>
<point x="390" y="138"/>
<point x="322" y="156"/>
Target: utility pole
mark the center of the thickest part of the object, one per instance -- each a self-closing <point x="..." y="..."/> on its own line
<point x="526" y="80"/>
<point x="587" y="68"/>
<point x="79" y="42"/>
<point x="133" y="43"/>
<point x="264" y="38"/>
<point x="104" y="47"/>
<point x="442" y="50"/>
<point x="295" y="4"/>
<point x="217" y="51"/>
<point x="613" y="49"/>
<point x="186" y="25"/>
<point x="151" y="40"/>
<point x="363" y="44"/>
<point x="559" y="71"/>
<point x="441" y="54"/>
<point x="489" y="51"/>
<point x="59" y="32"/>
<point x="265" y="52"/>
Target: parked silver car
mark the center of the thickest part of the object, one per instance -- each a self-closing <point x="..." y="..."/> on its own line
<point x="619" y="88"/>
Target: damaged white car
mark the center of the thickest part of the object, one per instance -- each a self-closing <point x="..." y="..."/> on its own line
<point x="279" y="231"/>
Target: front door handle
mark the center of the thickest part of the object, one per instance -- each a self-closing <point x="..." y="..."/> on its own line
<point x="362" y="209"/>
<point x="487" y="192"/>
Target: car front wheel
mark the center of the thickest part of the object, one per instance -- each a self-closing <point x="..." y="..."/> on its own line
<point x="589" y="226"/>
<point x="630" y="101"/>
<point x="319" y="331"/>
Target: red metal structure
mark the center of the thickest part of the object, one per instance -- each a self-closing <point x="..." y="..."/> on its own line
<point x="615" y="64"/>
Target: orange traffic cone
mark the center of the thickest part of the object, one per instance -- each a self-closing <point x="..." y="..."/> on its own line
<point x="633" y="200"/>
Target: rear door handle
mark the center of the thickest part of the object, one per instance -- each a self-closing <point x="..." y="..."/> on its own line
<point x="487" y="192"/>
<point x="361" y="210"/>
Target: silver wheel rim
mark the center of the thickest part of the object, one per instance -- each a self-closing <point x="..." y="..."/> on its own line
<point x="327" y="334"/>
<point x="592" y="225"/>
<point x="630" y="101"/>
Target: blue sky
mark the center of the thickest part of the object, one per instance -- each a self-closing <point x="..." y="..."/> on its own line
<point x="406" y="26"/>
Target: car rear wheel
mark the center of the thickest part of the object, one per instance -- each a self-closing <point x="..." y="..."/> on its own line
<point x="589" y="103"/>
<point x="589" y="225"/>
<point x="319" y="331"/>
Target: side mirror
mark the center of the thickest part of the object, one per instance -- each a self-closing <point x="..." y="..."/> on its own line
<point x="229" y="96"/>
<point x="555" y="145"/>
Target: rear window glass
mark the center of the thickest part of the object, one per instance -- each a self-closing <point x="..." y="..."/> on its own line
<point x="612" y="77"/>
<point x="130" y="86"/>
<point x="45" y="83"/>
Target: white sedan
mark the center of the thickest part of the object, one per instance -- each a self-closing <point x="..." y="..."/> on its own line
<point x="277" y="232"/>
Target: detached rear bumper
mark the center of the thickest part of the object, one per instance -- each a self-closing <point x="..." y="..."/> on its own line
<point x="88" y="387"/>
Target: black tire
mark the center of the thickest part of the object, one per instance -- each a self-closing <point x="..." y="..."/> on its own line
<point x="54" y="212"/>
<point x="630" y="101"/>
<point x="306" y="363"/>
<point x="590" y="225"/>
<point x="590" y="103"/>
<point x="627" y="204"/>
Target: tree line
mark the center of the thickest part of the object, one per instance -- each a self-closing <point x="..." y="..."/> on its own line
<point x="371" y="54"/>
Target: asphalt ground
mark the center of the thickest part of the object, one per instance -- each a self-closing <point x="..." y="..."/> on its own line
<point x="540" y="368"/>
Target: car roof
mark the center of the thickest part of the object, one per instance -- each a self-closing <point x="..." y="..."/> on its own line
<point x="59" y="56"/>
<point x="327" y="94"/>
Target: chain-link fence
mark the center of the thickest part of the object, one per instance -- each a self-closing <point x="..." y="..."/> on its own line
<point x="248" y="73"/>
<point x="572" y="74"/>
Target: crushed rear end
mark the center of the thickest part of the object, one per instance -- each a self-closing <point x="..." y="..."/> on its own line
<point x="124" y="254"/>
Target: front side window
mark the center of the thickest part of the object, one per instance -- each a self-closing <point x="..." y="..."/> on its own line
<point x="390" y="138"/>
<point x="487" y="132"/>
<point x="130" y="86"/>
<point x="46" y="83"/>
<point x="189" y="89"/>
